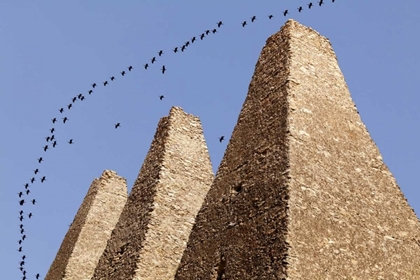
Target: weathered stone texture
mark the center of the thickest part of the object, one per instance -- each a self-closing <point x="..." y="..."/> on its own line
<point x="302" y="191"/>
<point x="153" y="230"/>
<point x="90" y="230"/>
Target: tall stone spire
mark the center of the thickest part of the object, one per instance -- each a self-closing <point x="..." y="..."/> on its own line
<point x="302" y="191"/>
<point x="153" y="229"/>
<point x="90" y="230"/>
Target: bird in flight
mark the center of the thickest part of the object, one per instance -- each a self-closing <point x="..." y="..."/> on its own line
<point x="243" y="24"/>
<point x="202" y="36"/>
<point x="79" y="96"/>
<point x="90" y="91"/>
<point x="43" y="179"/>
<point x="176" y="49"/>
<point x="221" y="139"/>
<point x="22" y="202"/>
<point x="285" y="12"/>
<point x="146" y="65"/>
<point x="54" y="144"/>
<point x="71" y="141"/>
<point x="300" y="9"/>
<point x="94" y="85"/>
<point x="112" y="78"/>
<point x="33" y="202"/>
<point x="117" y="125"/>
<point x="192" y="39"/>
<point x="270" y="16"/>
<point x="153" y="59"/>
<point x="32" y="180"/>
<point x="54" y="120"/>
<point x="65" y="119"/>
<point x="310" y="5"/>
<point x="130" y="68"/>
<point x="123" y="73"/>
<point x="30" y="215"/>
<point x="61" y="110"/>
<point x="20" y="195"/>
<point x="321" y="2"/>
<point x="69" y="106"/>
<point x="253" y="18"/>
<point x="214" y="31"/>
<point x="36" y="171"/>
<point x="163" y="69"/>
<point x="160" y="53"/>
<point x="52" y="130"/>
<point x="220" y="23"/>
<point x="39" y="160"/>
<point x="161" y="97"/>
<point x="45" y="148"/>
<point x="48" y="138"/>
<point x="105" y="83"/>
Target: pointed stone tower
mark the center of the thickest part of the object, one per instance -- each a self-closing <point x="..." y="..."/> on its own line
<point x="302" y="191"/>
<point x="153" y="229"/>
<point x="90" y="230"/>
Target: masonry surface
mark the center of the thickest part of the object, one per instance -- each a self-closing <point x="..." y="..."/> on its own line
<point x="91" y="228"/>
<point x="153" y="229"/>
<point x="302" y="191"/>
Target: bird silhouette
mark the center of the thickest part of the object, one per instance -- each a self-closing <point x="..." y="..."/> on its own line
<point x="82" y="98"/>
<point x="23" y="257"/>
<point x="130" y="68"/>
<point x="22" y="231"/>
<point x="65" y="119"/>
<point x="21" y="218"/>
<point x="122" y="73"/>
<point x="69" y="106"/>
<point x="20" y="213"/>
<point x="161" y="97"/>
<point x="52" y="137"/>
<point x="192" y="39"/>
<point x="30" y="215"/>
<point x="163" y="69"/>
<point x="146" y="65"/>
<point x="20" y="249"/>
<point x="39" y="160"/>
<point x="79" y="95"/>
<point x="93" y="85"/>
<point x="160" y="53"/>
<point x="221" y="139"/>
<point x="214" y="31"/>
<point x="153" y="59"/>
<point x="33" y="201"/>
<point x="183" y="48"/>
<point x="300" y="9"/>
<point x="54" y="120"/>
<point x="187" y="43"/>
<point x="270" y="16"/>
<point x="61" y="110"/>
<point x="310" y="5"/>
<point x="32" y="180"/>
<point x="112" y="78"/>
<point x="285" y="12"/>
<point x="27" y="192"/>
<point x="43" y="179"/>
<point x="71" y="141"/>
<point x="117" y="125"/>
<point x="176" y="49"/>
<point x="105" y="83"/>
<point x="202" y="36"/>
<point x="36" y="171"/>
<point x="37" y="276"/>
<point x="207" y="32"/>
<point x="220" y="23"/>
<point x="20" y="242"/>
<point x="90" y="91"/>
<point x="321" y="2"/>
<point x="54" y="144"/>
<point x="253" y="18"/>
<point x="20" y="194"/>
<point x="48" y="138"/>
<point x="22" y="263"/>
<point x="26" y="185"/>
<point x="74" y="99"/>
<point x="52" y="130"/>
<point x="23" y="237"/>
<point x="243" y="24"/>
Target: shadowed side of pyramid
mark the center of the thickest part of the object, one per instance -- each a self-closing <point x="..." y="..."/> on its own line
<point x="302" y="191"/>
<point x="151" y="234"/>
<point x="91" y="228"/>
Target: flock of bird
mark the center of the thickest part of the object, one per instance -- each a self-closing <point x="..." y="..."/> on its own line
<point x="52" y="142"/>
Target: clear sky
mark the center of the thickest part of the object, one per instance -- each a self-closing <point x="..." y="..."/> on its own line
<point x="54" y="50"/>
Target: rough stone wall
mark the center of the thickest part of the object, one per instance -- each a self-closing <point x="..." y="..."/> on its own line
<point x="302" y="191"/>
<point x="90" y="230"/>
<point x="151" y="235"/>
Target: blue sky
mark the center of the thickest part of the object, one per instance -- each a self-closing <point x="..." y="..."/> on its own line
<point x="54" y="50"/>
